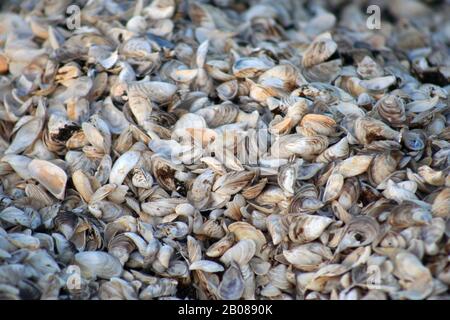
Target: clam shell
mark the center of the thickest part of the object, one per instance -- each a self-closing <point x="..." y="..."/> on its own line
<point x="206" y="266"/>
<point x="52" y="177"/>
<point x="98" y="264"/>
<point x="123" y="165"/>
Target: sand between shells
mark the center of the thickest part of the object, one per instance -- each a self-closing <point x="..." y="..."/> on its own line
<point x="224" y="150"/>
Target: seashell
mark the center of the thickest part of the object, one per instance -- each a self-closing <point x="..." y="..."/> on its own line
<point x="164" y="287"/>
<point x="378" y="84"/>
<point x="161" y="207"/>
<point x="309" y="256"/>
<point x="433" y="177"/>
<point x="333" y="188"/>
<point x="83" y="185"/>
<point x="52" y="177"/>
<point x="320" y="50"/>
<point x="413" y="140"/>
<point x="25" y="136"/>
<point x="250" y="67"/>
<point x="142" y="179"/>
<point x="369" y="129"/>
<point x="164" y="173"/>
<point x="232" y="285"/>
<point x="98" y="264"/>
<point x="219" y="114"/>
<point x="382" y="166"/>
<point x="337" y="151"/>
<point x="354" y="166"/>
<point x="409" y="214"/>
<point x="123" y="165"/>
<point x="206" y="266"/>
<point x="369" y="69"/>
<point x="19" y="165"/>
<point x="278" y="231"/>
<point x="224" y="150"/>
<point x="306" y="228"/>
<point x="360" y="231"/>
<point x="228" y="90"/>
<point x="159" y="92"/>
<point x="395" y="192"/>
<point x="241" y="253"/>
<point x="306" y="147"/>
<point x="320" y="124"/>
<point x="233" y="182"/>
<point x="160" y="9"/>
<point x="16" y="216"/>
<point x="287" y="177"/>
<point x="244" y="230"/>
<point x="218" y="248"/>
<point x="117" y="289"/>
<point x="201" y="187"/>
<point x="23" y="241"/>
<point x="391" y="109"/>
<point x="440" y="207"/>
<point x="418" y="280"/>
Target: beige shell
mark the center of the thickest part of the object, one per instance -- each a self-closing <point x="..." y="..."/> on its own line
<point x="83" y="185"/>
<point x="241" y="253"/>
<point x="441" y="204"/>
<point x="52" y="177"/>
<point x="322" y="48"/>
<point x="244" y="230"/>
<point x="295" y="144"/>
<point x="98" y="264"/>
<point x="337" y="151"/>
<point x="320" y="124"/>
<point x="218" y="248"/>
<point x="392" y="109"/>
<point x="360" y="231"/>
<point x="433" y="177"/>
<point x="382" y="166"/>
<point x="369" y="129"/>
<point x="306" y="228"/>
<point x="122" y="166"/>
<point x="354" y="166"/>
<point x="309" y="256"/>
<point x="334" y="187"/>
<point x="206" y="266"/>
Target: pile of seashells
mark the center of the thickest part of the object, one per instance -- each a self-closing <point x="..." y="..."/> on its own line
<point x="224" y="149"/>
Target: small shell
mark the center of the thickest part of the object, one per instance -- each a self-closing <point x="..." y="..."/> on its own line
<point x="306" y="147"/>
<point x="433" y="177"/>
<point x="206" y="266"/>
<point x="354" y="166"/>
<point x="322" y="48"/>
<point x="320" y="124"/>
<point x="122" y="166"/>
<point x="218" y="248"/>
<point x="337" y="151"/>
<point x="392" y="109"/>
<point x="241" y="253"/>
<point x="333" y="188"/>
<point x="83" y="185"/>
<point x="244" y="230"/>
<point x="98" y="264"/>
<point x="232" y="285"/>
<point x="52" y="177"/>
<point x="250" y="67"/>
<point x="369" y="129"/>
<point x="360" y="231"/>
<point x="441" y="204"/>
<point x="306" y="228"/>
<point x="308" y="257"/>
